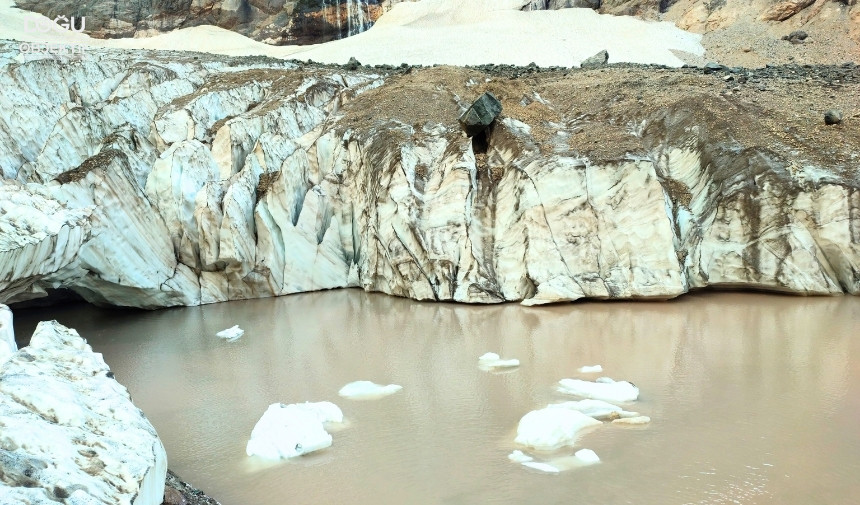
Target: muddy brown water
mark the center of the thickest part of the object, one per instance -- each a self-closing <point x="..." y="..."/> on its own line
<point x="754" y="399"/>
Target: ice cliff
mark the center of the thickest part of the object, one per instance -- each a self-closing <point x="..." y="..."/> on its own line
<point x="158" y="179"/>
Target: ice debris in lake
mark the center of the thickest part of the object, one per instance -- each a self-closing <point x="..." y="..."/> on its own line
<point x="587" y="456"/>
<point x="287" y="431"/>
<point x="582" y="457"/>
<point x="635" y="420"/>
<point x="366" y="390"/>
<point x="520" y="457"/>
<point x="601" y="389"/>
<point x="591" y="369"/>
<point x="597" y="409"/>
<point x="551" y="428"/>
<point x="231" y="334"/>
<point x="491" y="360"/>
<point x="543" y="467"/>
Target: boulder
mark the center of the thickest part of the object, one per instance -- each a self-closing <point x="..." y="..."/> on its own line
<point x="832" y="117"/>
<point x="353" y="64"/>
<point x="796" y="37"/>
<point x="481" y="114"/>
<point x="70" y="431"/>
<point x="784" y="10"/>
<point x="712" y="67"/>
<point x="598" y="60"/>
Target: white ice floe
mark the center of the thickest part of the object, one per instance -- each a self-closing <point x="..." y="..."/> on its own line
<point x="231" y="334"/>
<point x="621" y="391"/>
<point x="587" y="456"/>
<point x="543" y="467"/>
<point x="520" y="457"/>
<point x="287" y="431"/>
<point x="598" y="409"/>
<point x="591" y="369"/>
<point x="552" y="428"/>
<point x="366" y="390"/>
<point x="492" y="360"/>
<point x="632" y="420"/>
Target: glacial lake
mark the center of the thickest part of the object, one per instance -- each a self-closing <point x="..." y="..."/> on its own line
<point x="754" y="398"/>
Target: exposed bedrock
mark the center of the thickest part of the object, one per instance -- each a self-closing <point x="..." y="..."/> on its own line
<point x="69" y="433"/>
<point x="191" y="181"/>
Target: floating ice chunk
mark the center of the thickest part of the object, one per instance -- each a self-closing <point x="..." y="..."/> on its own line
<point x="632" y="420"/>
<point x="492" y="360"/>
<point x="621" y="391"/>
<point x="520" y="457"/>
<point x="325" y="412"/>
<point x="591" y="369"/>
<point x="597" y="409"/>
<point x="604" y="380"/>
<point x="543" y="467"/>
<point x="587" y="456"/>
<point x="366" y="390"/>
<point x="552" y="428"/>
<point x="287" y="431"/>
<point x="231" y="334"/>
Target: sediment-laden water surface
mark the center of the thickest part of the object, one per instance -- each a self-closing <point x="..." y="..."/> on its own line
<point x="754" y="399"/>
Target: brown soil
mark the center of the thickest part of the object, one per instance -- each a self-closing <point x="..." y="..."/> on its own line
<point x="779" y="108"/>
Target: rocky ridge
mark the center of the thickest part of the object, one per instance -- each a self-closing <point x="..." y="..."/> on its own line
<point x="203" y="179"/>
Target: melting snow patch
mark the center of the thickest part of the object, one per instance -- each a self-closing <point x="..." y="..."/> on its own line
<point x="287" y="431"/>
<point x="621" y="391"/>
<point x="492" y="360"/>
<point x="231" y="334"/>
<point x="591" y="369"/>
<point x="366" y="390"/>
<point x="552" y="428"/>
<point x="587" y="456"/>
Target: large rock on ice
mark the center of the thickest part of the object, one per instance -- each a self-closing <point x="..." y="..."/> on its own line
<point x="481" y="114"/>
<point x="68" y="430"/>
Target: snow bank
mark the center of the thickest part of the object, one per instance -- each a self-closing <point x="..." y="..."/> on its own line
<point x="602" y="389"/>
<point x="287" y="431"/>
<point x="366" y="390"/>
<point x="452" y="32"/>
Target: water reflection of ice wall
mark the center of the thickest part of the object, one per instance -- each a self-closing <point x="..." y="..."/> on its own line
<point x="353" y="12"/>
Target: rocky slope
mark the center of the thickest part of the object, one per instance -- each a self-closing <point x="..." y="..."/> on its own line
<point x="70" y="433"/>
<point x="188" y="180"/>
